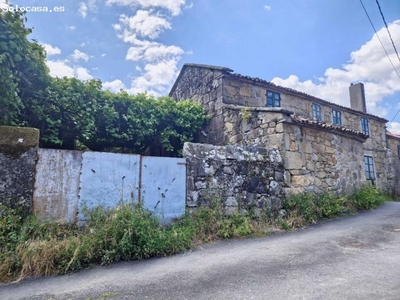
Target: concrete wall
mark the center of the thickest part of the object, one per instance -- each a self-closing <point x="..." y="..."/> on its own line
<point x="17" y="166"/>
<point x="240" y="177"/>
<point x="57" y="178"/>
<point x="59" y="185"/>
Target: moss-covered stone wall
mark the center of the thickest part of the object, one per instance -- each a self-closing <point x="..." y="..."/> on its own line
<point x="17" y="166"/>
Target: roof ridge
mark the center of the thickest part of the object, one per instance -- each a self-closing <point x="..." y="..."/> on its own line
<point x="263" y="81"/>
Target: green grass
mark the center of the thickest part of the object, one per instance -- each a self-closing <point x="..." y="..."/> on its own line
<point x="29" y="248"/>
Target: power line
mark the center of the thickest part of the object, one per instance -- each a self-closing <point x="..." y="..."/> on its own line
<point x="379" y="38"/>
<point x="390" y="36"/>
<point x="395" y="116"/>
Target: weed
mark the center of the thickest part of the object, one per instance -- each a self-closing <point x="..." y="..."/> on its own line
<point x="29" y="248"/>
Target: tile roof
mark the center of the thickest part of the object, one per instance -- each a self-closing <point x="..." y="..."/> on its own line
<point x="392" y="135"/>
<point x="229" y="72"/>
<point x="301" y="120"/>
<point x="301" y="94"/>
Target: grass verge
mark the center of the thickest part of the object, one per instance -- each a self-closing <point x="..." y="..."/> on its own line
<point x="29" y="248"/>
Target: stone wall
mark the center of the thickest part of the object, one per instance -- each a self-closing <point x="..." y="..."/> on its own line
<point x="203" y="85"/>
<point x="322" y="160"/>
<point x="240" y="177"/>
<point x="17" y="166"/>
<point x="243" y="92"/>
<point x="316" y="158"/>
<point x="392" y="184"/>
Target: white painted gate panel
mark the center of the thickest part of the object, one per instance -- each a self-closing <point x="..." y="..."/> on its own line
<point x="108" y="179"/>
<point x="164" y="187"/>
<point x="55" y="196"/>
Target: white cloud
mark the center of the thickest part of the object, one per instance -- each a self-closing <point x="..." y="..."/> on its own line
<point x="114" y="86"/>
<point x="394" y="127"/>
<point x="50" y="50"/>
<point x="267" y="7"/>
<point x="82" y="73"/>
<point x="103" y="54"/>
<point x="173" y="6"/>
<point x="156" y="62"/>
<point x="84" y="7"/>
<point x="155" y="53"/>
<point x="77" y="55"/>
<point x="71" y="28"/>
<point x="3" y="4"/>
<point x="144" y="23"/>
<point x="368" y="64"/>
<point x="61" y="68"/>
<point x="156" y="78"/>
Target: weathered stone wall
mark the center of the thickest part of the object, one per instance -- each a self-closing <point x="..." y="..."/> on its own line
<point x="316" y="159"/>
<point x="239" y="116"/>
<point x="260" y="131"/>
<point x="17" y="166"/>
<point x="240" y="177"/>
<point x="204" y="86"/>
<point x="259" y="126"/>
<point x="392" y="183"/>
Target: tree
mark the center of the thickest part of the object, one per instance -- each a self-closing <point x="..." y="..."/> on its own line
<point x="140" y="123"/>
<point x="68" y="110"/>
<point x="23" y="71"/>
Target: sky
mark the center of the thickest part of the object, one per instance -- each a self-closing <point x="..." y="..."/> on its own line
<point x="318" y="47"/>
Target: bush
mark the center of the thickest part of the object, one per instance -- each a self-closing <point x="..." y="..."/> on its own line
<point x="369" y="197"/>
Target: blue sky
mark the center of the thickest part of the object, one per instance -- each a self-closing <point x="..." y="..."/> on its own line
<point x="315" y="46"/>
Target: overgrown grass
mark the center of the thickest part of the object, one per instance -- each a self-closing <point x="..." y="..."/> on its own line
<point x="29" y="248"/>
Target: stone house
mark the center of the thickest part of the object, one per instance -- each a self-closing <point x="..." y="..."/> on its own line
<point x="325" y="146"/>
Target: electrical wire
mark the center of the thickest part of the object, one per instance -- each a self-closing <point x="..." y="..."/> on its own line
<point x="390" y="36"/>
<point x="362" y="4"/>
<point x="379" y="38"/>
<point x="395" y="116"/>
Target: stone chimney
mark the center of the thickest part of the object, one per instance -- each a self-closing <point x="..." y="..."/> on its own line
<point x="357" y="97"/>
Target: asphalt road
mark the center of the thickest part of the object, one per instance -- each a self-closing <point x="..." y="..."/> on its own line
<point x="356" y="257"/>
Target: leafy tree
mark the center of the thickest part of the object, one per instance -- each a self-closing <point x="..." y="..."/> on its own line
<point x="65" y="112"/>
<point x="141" y="123"/>
<point x="68" y="110"/>
<point x="23" y="71"/>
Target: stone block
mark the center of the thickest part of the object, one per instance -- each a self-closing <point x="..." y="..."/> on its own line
<point x="301" y="180"/>
<point x="294" y="161"/>
<point x="231" y="201"/>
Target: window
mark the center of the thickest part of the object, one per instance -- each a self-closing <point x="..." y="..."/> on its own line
<point x="369" y="167"/>
<point x="337" y="117"/>
<point x="316" y="112"/>
<point x="364" y="126"/>
<point x="273" y="99"/>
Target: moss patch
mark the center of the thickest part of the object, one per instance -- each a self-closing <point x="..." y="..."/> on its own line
<point x="16" y="140"/>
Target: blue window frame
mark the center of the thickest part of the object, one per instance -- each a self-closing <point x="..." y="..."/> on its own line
<point x="316" y="112"/>
<point x="336" y="117"/>
<point x="273" y="99"/>
<point x="364" y="126"/>
<point x="369" y="168"/>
